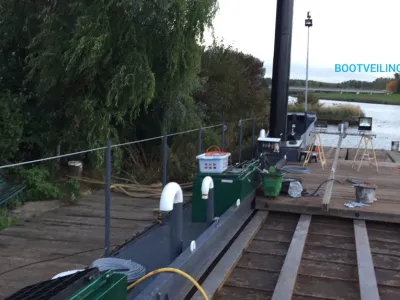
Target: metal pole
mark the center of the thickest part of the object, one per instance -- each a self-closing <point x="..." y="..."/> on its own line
<point x="199" y="141"/>
<point x="240" y="140"/>
<point x="253" y="137"/>
<point x="107" y="201"/>
<point x="306" y="95"/>
<point x="164" y="159"/>
<point x="223" y="136"/>
<point x="281" y="69"/>
<point x="176" y="230"/>
<point x="210" y="206"/>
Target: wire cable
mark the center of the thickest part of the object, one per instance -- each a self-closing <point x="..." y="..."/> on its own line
<point x="171" y="270"/>
<point x="50" y="259"/>
<point x="313" y="194"/>
<point x="131" y="269"/>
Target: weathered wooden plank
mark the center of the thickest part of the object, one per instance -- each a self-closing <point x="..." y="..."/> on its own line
<point x="386" y="209"/>
<point x="224" y="267"/>
<point x="299" y="207"/>
<point x="313" y="287"/>
<point x="67" y="231"/>
<point x="329" y="185"/>
<point x="366" y="271"/>
<point x="287" y="278"/>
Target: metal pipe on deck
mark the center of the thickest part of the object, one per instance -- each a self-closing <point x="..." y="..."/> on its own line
<point x="207" y="193"/>
<point x="281" y="69"/>
<point x="172" y="201"/>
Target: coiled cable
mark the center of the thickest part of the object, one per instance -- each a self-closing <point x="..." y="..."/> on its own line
<point x="131" y="269"/>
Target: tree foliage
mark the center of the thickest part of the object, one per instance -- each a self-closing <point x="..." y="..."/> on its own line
<point x="82" y="71"/>
<point x="391" y="87"/>
<point x="233" y="85"/>
<point x="378" y="84"/>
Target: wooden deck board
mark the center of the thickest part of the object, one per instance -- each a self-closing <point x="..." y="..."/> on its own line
<point x="57" y="235"/>
<point x="387" y="208"/>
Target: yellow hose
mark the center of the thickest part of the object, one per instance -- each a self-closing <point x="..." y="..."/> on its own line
<point x="172" y="270"/>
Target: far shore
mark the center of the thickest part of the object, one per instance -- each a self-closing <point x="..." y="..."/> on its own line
<point x="363" y="98"/>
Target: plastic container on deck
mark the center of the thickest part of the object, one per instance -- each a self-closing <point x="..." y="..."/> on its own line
<point x="272" y="183"/>
<point x="213" y="161"/>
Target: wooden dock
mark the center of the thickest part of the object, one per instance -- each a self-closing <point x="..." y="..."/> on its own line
<point x="67" y="238"/>
<point x="386" y="209"/>
<point x="292" y="250"/>
<point x="282" y="256"/>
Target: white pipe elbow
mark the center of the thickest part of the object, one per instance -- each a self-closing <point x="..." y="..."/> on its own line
<point x="171" y="194"/>
<point x="206" y="185"/>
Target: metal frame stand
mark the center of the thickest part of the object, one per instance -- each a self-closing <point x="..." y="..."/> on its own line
<point x="368" y="140"/>
<point x="316" y="142"/>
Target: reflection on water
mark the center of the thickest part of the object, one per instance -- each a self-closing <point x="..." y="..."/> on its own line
<point x="385" y="124"/>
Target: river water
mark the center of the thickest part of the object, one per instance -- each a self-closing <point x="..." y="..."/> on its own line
<point x="385" y="124"/>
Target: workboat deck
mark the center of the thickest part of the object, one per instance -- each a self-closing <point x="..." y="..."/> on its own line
<point x="285" y="256"/>
<point x="67" y="238"/>
<point x="293" y="249"/>
<point x="386" y="209"/>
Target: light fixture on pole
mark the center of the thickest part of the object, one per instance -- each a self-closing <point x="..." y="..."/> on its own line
<point x="308" y="24"/>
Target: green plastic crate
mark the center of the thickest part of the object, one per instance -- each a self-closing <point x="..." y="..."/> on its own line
<point x="272" y="184"/>
<point x="108" y="286"/>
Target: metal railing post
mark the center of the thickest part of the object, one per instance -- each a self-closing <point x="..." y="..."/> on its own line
<point x="223" y="136"/>
<point x="164" y="159"/>
<point x="107" y="201"/>
<point x="253" y="133"/>
<point x="199" y="141"/>
<point x="240" y="140"/>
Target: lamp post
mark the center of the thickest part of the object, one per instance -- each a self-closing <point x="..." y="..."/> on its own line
<point x="308" y="24"/>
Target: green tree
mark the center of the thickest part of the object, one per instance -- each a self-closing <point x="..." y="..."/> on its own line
<point x="233" y="85"/>
<point x="93" y="70"/>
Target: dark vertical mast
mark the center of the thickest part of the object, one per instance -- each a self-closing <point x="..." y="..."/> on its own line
<point x="281" y="68"/>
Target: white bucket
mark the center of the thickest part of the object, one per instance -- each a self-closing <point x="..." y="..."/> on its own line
<point x="365" y="193"/>
<point x="395" y="146"/>
<point x="75" y="168"/>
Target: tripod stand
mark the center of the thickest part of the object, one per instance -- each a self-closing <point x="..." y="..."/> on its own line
<point x="367" y="139"/>
<point x="315" y="146"/>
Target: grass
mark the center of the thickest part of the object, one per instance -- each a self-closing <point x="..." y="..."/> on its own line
<point x="333" y="114"/>
<point x="393" y="99"/>
<point x="6" y="220"/>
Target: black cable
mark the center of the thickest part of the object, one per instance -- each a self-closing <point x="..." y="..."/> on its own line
<point x="313" y="194"/>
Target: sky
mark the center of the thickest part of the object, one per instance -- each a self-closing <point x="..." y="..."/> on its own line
<point x="343" y="32"/>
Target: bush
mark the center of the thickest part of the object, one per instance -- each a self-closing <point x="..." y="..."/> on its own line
<point x="39" y="185"/>
<point x="339" y="112"/>
<point x="73" y="189"/>
<point x="6" y="220"/>
<point x="345" y="112"/>
<point x="312" y="99"/>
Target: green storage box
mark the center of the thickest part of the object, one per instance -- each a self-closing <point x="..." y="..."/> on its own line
<point x="237" y="182"/>
<point x="107" y="286"/>
<point x="272" y="184"/>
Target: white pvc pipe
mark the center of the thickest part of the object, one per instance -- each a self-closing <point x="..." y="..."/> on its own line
<point x="171" y="194"/>
<point x="206" y="185"/>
